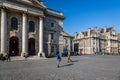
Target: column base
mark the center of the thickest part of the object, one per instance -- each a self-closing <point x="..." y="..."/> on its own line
<point x="22" y="54"/>
<point x="4" y="53"/>
<point x="41" y="54"/>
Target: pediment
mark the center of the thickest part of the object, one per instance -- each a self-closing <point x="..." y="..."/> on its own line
<point x="65" y="34"/>
<point x="33" y="3"/>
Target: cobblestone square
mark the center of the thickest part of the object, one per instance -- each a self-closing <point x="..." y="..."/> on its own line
<point x="85" y="67"/>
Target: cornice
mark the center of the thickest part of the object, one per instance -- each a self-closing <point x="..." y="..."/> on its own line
<point x="54" y="13"/>
<point x="22" y="8"/>
<point x="35" y="3"/>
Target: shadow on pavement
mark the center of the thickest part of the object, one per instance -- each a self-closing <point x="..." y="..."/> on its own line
<point x="75" y="60"/>
<point x="69" y="64"/>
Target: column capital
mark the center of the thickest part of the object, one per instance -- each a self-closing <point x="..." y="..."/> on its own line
<point x="4" y="7"/>
<point x="24" y="13"/>
<point x="40" y="18"/>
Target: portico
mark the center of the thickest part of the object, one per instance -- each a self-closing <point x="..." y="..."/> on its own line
<point x="26" y="26"/>
<point x="8" y="36"/>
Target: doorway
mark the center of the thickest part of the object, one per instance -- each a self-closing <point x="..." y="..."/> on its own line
<point x="14" y="46"/>
<point x="31" y="46"/>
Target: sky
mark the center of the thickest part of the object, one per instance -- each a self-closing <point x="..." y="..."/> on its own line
<point x="83" y="14"/>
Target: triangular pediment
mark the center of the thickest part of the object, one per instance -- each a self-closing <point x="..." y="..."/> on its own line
<point x="36" y="3"/>
<point x="65" y="34"/>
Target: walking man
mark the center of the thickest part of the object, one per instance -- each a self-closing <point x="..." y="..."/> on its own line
<point x="25" y="55"/>
<point x="8" y="57"/>
<point x="58" y="57"/>
<point x="69" y="59"/>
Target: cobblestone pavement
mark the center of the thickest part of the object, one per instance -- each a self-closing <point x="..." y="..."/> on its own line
<point x="85" y="67"/>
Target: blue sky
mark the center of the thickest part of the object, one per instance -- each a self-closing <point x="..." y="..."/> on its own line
<point x="83" y="14"/>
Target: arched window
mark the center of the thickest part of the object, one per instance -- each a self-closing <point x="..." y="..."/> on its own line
<point x="14" y="23"/>
<point x="31" y="26"/>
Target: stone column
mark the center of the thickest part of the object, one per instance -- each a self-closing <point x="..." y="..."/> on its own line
<point x="24" y="34"/>
<point x="3" y="31"/>
<point x="41" y="53"/>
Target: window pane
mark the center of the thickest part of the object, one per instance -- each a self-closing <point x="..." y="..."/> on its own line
<point x="52" y="36"/>
<point x="52" y="24"/>
<point x="14" y="23"/>
<point x="52" y="49"/>
<point x="31" y="26"/>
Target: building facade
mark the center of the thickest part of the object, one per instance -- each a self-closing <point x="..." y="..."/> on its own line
<point x="95" y="40"/>
<point x="67" y="42"/>
<point x="119" y="43"/>
<point x="28" y="26"/>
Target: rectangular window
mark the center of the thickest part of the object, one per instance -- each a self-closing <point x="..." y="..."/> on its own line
<point x="52" y="24"/>
<point x="66" y="41"/>
<point x="52" y="36"/>
<point x="52" y="49"/>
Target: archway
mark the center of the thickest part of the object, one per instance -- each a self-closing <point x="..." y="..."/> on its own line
<point x="14" y="46"/>
<point x="31" y="46"/>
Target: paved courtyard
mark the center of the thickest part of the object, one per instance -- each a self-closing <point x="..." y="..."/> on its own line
<point x="85" y="67"/>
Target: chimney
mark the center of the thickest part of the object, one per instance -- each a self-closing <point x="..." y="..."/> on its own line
<point x="88" y="32"/>
<point x="105" y="29"/>
<point x="76" y="34"/>
<point x="95" y="29"/>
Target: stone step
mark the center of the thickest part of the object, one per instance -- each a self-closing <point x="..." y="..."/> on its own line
<point x="15" y="58"/>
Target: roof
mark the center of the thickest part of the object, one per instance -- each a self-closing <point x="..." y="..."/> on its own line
<point x="84" y="33"/>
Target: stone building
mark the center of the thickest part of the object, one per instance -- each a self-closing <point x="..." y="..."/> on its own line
<point x="119" y="43"/>
<point x="67" y="42"/>
<point x="95" y="40"/>
<point x="29" y="26"/>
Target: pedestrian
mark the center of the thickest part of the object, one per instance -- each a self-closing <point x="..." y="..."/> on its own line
<point x="25" y="55"/>
<point x="1" y="56"/>
<point x="68" y="56"/>
<point x="58" y="57"/>
<point x="8" y="57"/>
